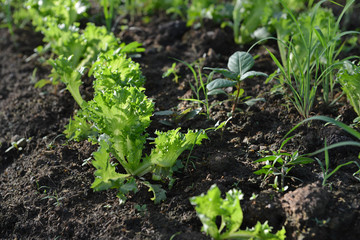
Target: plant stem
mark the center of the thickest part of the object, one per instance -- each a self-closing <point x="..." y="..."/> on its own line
<point x="236" y="99"/>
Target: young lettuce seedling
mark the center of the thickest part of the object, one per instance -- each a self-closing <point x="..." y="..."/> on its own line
<point x="79" y="51"/>
<point x="211" y="206"/>
<point x="239" y="65"/>
<point x="65" y="12"/>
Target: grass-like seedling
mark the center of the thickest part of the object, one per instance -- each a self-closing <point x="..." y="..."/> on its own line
<point x="5" y="7"/>
<point x="210" y="208"/>
<point x="308" y="57"/>
<point x="279" y="164"/>
<point x="239" y="66"/>
<point x="296" y="65"/>
<point x="109" y="7"/>
<point x="325" y="168"/>
<point x="200" y="88"/>
<point x="329" y="38"/>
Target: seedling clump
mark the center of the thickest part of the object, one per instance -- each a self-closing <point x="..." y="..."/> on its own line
<point x="238" y="65"/>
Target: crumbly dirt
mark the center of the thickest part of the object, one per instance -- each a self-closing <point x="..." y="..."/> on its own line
<point x="45" y="184"/>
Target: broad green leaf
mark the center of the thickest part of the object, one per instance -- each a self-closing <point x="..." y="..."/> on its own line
<point x="240" y="62"/>
<point x="251" y="74"/>
<point x="208" y="207"/>
<point x="220" y="83"/>
<point x="216" y="92"/>
<point x="227" y="73"/>
<point x="251" y="102"/>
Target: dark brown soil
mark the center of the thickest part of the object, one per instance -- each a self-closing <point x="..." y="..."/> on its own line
<point x="45" y="185"/>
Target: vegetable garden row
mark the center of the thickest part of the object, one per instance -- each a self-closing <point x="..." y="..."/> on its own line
<point x="263" y="108"/>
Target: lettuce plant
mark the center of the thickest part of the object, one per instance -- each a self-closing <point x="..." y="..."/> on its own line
<point x="210" y="206"/>
<point x="64" y="12"/>
<point x="114" y="68"/>
<point x="117" y="119"/>
<point x="239" y="65"/>
<point x="78" y="51"/>
<point x="122" y="114"/>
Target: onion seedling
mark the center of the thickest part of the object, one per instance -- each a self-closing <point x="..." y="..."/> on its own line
<point x="325" y="168"/>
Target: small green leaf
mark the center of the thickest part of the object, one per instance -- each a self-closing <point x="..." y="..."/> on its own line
<point x="251" y="74"/>
<point x="220" y="83"/>
<point x="216" y="92"/>
<point x="264" y="170"/>
<point x="164" y="113"/>
<point x="41" y="83"/>
<point x="129" y="186"/>
<point x="252" y="101"/>
<point x="159" y="193"/>
<point x="227" y="73"/>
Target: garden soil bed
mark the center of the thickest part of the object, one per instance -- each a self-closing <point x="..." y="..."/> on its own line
<point x="45" y="184"/>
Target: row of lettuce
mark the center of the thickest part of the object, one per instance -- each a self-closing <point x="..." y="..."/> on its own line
<point x="308" y="35"/>
<point x="119" y="114"/>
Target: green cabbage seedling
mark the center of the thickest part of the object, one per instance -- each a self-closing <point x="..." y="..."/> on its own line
<point x="239" y="65"/>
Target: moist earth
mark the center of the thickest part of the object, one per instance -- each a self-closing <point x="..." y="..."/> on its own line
<point x="45" y="180"/>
